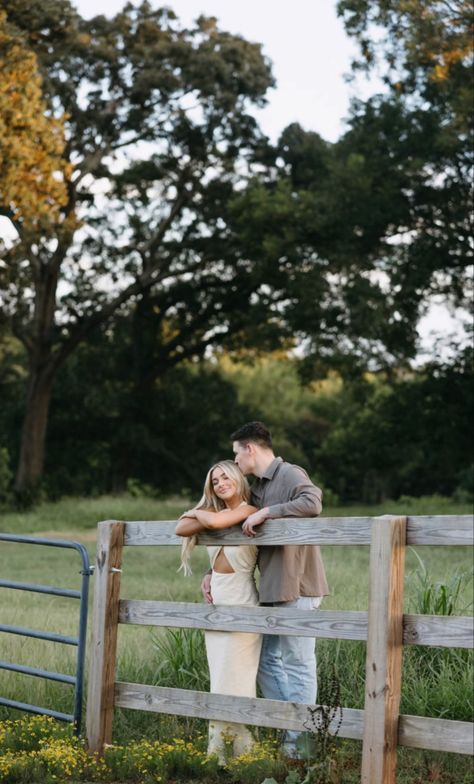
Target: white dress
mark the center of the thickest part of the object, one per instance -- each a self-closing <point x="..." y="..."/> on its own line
<point x="233" y="657"/>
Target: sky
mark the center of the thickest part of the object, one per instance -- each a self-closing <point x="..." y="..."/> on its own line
<point x="311" y="56"/>
<point x="307" y="44"/>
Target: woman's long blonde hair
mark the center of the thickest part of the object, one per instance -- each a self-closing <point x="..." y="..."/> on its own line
<point x="210" y="501"/>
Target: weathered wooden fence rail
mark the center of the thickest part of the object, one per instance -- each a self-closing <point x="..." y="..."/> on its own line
<point x="385" y="628"/>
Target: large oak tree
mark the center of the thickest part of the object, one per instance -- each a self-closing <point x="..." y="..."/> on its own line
<point x="158" y="133"/>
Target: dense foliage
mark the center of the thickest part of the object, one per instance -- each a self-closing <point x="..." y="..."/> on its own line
<point x="370" y="438"/>
<point x="178" y="233"/>
<point x="32" y="182"/>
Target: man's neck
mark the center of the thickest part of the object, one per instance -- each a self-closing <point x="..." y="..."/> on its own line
<point x="264" y="458"/>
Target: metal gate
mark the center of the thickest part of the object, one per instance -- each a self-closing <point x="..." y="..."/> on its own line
<point x="79" y="642"/>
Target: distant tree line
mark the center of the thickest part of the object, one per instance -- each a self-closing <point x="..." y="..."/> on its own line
<point x="369" y="438"/>
<point x="161" y="231"/>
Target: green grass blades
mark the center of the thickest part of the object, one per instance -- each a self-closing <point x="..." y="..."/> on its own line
<point x="180" y="659"/>
<point x="436" y="682"/>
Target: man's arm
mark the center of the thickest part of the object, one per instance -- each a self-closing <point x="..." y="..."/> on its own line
<point x="305" y="501"/>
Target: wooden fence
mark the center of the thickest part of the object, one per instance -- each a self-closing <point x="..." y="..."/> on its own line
<point x="385" y="628"/>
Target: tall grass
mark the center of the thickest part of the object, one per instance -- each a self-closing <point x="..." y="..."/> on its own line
<point x="432" y="597"/>
<point x="82" y="514"/>
<point x="181" y="659"/>
<point x="436" y="682"/>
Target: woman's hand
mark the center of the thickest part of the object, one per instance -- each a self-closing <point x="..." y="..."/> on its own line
<point x="189" y="513"/>
<point x="188" y="524"/>
<point x="194" y="521"/>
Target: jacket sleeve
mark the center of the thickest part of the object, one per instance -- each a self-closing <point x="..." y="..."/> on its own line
<point x="304" y="498"/>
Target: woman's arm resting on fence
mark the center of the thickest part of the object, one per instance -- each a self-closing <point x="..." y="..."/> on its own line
<point x="226" y="518"/>
<point x="188" y="526"/>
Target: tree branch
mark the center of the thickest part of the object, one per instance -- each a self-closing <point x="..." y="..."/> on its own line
<point x="143" y="282"/>
<point x="23" y="337"/>
<point x="183" y="196"/>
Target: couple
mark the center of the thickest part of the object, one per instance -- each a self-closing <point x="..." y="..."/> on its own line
<point x="290" y="576"/>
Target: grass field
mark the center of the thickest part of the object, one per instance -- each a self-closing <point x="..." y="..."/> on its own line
<point x="150" y="572"/>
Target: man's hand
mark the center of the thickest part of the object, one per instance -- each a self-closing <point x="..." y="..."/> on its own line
<point x="257" y="518"/>
<point x="206" y="589"/>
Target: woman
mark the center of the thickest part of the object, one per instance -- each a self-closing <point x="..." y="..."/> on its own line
<point x="232" y="656"/>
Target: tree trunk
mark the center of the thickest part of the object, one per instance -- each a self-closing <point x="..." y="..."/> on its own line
<point x="33" y="436"/>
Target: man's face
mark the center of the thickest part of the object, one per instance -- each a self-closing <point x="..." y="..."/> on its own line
<point x="244" y="457"/>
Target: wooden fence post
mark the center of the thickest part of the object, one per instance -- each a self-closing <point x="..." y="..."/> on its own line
<point x="384" y="651"/>
<point x="100" y="699"/>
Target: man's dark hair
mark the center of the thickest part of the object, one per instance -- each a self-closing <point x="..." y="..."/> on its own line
<point x="255" y="432"/>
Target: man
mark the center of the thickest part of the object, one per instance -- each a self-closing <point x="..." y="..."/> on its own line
<point x="290" y="575"/>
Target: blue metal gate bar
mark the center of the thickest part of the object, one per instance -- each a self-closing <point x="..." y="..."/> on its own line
<point x="48" y="674"/>
<point x="79" y="641"/>
<point x="39" y="635"/>
<point x="36" y="709"/>
<point x="70" y="594"/>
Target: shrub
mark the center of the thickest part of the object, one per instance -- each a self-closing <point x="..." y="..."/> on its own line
<point x="256" y="765"/>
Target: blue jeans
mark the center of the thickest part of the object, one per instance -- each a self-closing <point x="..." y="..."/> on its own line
<point x="287" y="669"/>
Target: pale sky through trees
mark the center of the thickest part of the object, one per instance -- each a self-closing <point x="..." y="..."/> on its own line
<point x="308" y="47"/>
<point x="310" y="54"/>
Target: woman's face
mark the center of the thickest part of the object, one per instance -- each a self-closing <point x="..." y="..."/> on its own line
<point x="224" y="487"/>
